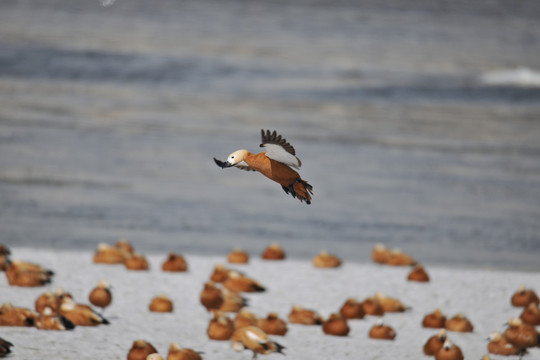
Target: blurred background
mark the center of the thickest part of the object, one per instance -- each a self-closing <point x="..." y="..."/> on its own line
<point x="417" y="122"/>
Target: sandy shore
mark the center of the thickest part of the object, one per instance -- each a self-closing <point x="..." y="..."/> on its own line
<point x="483" y="296"/>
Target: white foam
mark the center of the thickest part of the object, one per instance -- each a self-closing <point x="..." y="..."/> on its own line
<point x="521" y="76"/>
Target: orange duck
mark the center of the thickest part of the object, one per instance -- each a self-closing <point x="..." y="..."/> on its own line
<point x="80" y="314"/>
<point x="523" y="297"/>
<point x="211" y="296"/>
<point x="238" y="256"/>
<point x="178" y="353"/>
<point x="498" y="345"/>
<point x="273" y="252"/>
<point x="16" y="316"/>
<point x="220" y="273"/>
<point x="380" y="253"/>
<point x="381" y="331"/>
<point x="240" y="283"/>
<point x="390" y="304"/>
<point x="107" y="254"/>
<point x="302" y="316"/>
<point x="245" y="318"/>
<point x="51" y="321"/>
<point x="521" y="335"/>
<point x="161" y="303"/>
<point x="232" y="301"/>
<point x="47" y="300"/>
<point x="275" y="163"/>
<point x="51" y="300"/>
<point x="137" y="262"/>
<point x="434" y="343"/>
<point x="326" y="260"/>
<point x="418" y="274"/>
<point x="273" y="325"/>
<point x="531" y="315"/>
<point x="125" y="246"/>
<point x="22" y="273"/>
<point x="101" y="295"/>
<point x="459" y="323"/>
<point x="372" y="306"/>
<point x="398" y="258"/>
<point x="336" y="325"/>
<point x="435" y="320"/>
<point x="140" y="350"/>
<point x="174" y="263"/>
<point x="449" y="351"/>
<point x="352" y="309"/>
<point x="220" y="327"/>
<point x="20" y="265"/>
<point x="254" y="339"/>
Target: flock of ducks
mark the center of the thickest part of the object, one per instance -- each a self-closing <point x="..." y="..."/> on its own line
<point x="222" y="296"/>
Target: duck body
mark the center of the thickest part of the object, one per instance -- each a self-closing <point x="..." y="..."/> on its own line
<point x="270" y="168"/>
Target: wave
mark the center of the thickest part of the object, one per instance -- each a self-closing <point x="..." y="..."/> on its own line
<point x="521" y="76"/>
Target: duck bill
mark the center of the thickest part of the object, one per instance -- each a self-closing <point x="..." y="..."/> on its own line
<point x="222" y="164"/>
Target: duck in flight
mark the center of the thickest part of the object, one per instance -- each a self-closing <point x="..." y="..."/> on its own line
<point x="276" y="163"/>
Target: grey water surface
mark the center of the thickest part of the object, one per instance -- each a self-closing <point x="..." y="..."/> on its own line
<point x="110" y="117"/>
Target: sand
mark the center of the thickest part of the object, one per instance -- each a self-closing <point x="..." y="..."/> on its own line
<point x="483" y="296"/>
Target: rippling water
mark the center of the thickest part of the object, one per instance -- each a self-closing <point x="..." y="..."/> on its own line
<point x="110" y="117"/>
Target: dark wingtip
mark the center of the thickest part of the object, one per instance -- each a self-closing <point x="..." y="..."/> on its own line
<point x="104" y="321"/>
<point x="68" y="324"/>
<point x="280" y="348"/>
<point x="259" y="288"/>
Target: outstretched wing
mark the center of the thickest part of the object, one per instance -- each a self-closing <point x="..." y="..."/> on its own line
<point x="277" y="148"/>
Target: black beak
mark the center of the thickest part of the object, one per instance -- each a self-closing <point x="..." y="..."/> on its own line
<point x="222" y="164"/>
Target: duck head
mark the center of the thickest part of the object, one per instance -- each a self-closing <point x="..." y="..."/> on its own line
<point x="234" y="159"/>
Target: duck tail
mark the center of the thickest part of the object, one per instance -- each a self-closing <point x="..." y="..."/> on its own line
<point x="301" y="189"/>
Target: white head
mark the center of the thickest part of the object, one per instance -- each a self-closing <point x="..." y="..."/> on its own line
<point x="515" y="322"/>
<point x="237" y="157"/>
<point x="47" y="311"/>
<point x="447" y="345"/>
<point x="103" y="284"/>
<point x="67" y="304"/>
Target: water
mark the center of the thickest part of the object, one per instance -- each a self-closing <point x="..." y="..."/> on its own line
<point x="110" y="117"/>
